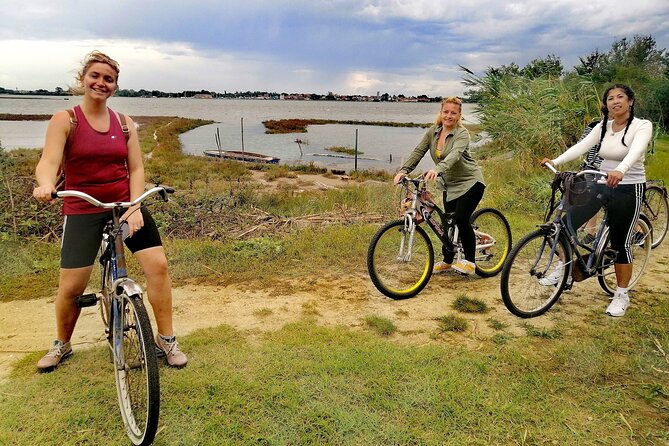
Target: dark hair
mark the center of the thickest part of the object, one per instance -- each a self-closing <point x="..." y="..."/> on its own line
<point x="605" y="111"/>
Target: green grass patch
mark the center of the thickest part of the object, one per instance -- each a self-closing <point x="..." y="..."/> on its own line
<point x="340" y="149"/>
<point x="451" y="323"/>
<point x="544" y="333"/>
<point x="380" y="325"/>
<point x="468" y="304"/>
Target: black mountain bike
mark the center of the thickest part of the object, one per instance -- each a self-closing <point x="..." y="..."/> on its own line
<point x="127" y="325"/>
<point x="548" y="260"/>
<point x="400" y="256"/>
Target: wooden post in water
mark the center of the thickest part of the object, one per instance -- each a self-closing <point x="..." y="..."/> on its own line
<point x="356" y="151"/>
<point x="242" y="123"/>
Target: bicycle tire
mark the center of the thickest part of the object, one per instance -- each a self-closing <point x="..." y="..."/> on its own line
<point x="394" y="276"/>
<point x="641" y="247"/>
<point x="490" y="259"/>
<point x="656" y="208"/>
<point x="136" y="372"/>
<point x="528" y="263"/>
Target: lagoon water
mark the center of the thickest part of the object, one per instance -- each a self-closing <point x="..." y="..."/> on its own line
<point x="377" y="145"/>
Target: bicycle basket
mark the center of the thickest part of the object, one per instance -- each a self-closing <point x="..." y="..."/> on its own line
<point x="577" y="189"/>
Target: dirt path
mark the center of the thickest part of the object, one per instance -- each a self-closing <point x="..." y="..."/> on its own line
<point x="29" y="326"/>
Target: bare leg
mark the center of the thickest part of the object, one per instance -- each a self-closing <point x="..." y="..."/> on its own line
<point x="72" y="283"/>
<point x="158" y="286"/>
<point x="623" y="274"/>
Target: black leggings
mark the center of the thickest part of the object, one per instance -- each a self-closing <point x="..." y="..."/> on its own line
<point x="463" y="206"/>
<point x="624" y="205"/>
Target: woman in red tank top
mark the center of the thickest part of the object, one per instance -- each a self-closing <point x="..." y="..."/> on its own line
<point x="97" y="160"/>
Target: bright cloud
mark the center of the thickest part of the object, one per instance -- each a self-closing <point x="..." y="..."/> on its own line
<point x="343" y="46"/>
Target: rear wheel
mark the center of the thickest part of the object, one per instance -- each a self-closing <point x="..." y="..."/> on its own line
<point x="136" y="371"/>
<point x="493" y="241"/>
<point x="656" y="208"/>
<point x="641" y="246"/>
<point x="400" y="262"/>
<point x="533" y="277"/>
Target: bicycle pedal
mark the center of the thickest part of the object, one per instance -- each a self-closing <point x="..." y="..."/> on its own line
<point x="87" y="300"/>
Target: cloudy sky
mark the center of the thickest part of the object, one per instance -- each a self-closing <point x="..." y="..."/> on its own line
<point x="344" y="46"/>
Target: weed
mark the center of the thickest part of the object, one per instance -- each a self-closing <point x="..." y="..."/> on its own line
<point x="497" y="325"/>
<point x="467" y="304"/>
<point x="545" y="333"/>
<point x="380" y="325"/>
<point x="451" y="323"/>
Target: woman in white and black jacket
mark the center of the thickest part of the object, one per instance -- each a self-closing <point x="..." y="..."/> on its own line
<point x="623" y="141"/>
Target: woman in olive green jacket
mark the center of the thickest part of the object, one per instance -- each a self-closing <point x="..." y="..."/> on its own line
<point x="458" y="177"/>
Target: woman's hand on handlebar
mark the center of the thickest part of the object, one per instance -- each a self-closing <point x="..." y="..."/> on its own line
<point x="613" y="178"/>
<point x="398" y="177"/>
<point x="547" y="161"/>
<point x="431" y="175"/>
<point x="44" y="193"/>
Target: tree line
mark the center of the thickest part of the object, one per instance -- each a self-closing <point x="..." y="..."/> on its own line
<point x="542" y="108"/>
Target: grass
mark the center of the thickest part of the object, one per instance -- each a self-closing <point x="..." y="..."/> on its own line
<point x="380" y="325"/>
<point x="451" y="323"/>
<point x="307" y="384"/>
<point x="346" y="150"/>
<point x="466" y="304"/>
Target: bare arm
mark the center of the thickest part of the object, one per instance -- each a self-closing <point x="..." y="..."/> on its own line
<point x="46" y="172"/>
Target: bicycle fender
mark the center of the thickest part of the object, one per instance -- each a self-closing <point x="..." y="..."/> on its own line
<point x="129" y="287"/>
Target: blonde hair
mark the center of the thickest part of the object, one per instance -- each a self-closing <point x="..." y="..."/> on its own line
<point x="90" y="59"/>
<point x="449" y="100"/>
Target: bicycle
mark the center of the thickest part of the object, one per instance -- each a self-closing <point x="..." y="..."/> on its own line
<point x="656" y="208"/>
<point x="541" y="264"/>
<point x="127" y="325"/>
<point x="400" y="257"/>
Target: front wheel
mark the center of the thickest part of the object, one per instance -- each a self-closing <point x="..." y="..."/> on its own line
<point x="641" y="246"/>
<point x="136" y="370"/>
<point x="400" y="261"/>
<point x="493" y="241"/>
<point x="535" y="274"/>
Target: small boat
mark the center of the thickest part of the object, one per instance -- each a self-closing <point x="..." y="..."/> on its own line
<point x="237" y="155"/>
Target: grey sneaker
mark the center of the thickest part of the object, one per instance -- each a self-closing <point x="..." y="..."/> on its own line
<point x="170" y="350"/>
<point x="54" y="356"/>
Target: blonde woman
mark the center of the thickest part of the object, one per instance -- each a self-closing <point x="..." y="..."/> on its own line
<point x="458" y="177"/>
<point x="98" y="159"/>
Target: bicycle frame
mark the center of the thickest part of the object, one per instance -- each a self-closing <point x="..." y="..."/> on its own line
<point x="559" y="228"/>
<point x="121" y="284"/>
<point x="448" y="235"/>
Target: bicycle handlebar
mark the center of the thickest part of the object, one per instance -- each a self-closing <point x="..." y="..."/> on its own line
<point x="552" y="168"/>
<point x="161" y="190"/>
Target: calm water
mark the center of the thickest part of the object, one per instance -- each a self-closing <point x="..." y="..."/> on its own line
<point x="376" y="144"/>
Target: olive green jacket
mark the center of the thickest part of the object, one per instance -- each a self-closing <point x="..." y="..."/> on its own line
<point x="459" y="172"/>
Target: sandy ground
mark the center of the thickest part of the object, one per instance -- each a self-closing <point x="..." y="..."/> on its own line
<point x="254" y="308"/>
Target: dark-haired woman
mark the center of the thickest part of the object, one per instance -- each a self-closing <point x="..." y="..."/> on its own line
<point x="623" y="140"/>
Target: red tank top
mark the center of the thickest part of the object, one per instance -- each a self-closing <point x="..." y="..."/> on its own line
<point x="96" y="163"/>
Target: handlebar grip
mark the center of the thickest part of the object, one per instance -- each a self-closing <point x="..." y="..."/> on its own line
<point x="169" y="190"/>
<point x="54" y="194"/>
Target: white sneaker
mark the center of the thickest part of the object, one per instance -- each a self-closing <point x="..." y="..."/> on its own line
<point x="618" y="305"/>
<point x="553" y="278"/>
